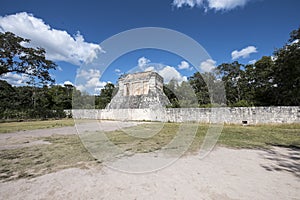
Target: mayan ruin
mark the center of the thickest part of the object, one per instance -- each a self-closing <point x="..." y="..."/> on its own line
<point x="139" y="91"/>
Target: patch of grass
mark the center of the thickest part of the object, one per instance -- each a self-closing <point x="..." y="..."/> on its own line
<point x="133" y="139"/>
<point x="63" y="152"/>
<point x="8" y="127"/>
<point x="127" y="139"/>
<point x="234" y="136"/>
<point x="67" y="150"/>
<point x="260" y="136"/>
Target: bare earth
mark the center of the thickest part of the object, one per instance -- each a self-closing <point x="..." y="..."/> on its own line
<point x="224" y="174"/>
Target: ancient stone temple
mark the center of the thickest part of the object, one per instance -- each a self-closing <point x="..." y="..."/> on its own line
<point x="139" y="90"/>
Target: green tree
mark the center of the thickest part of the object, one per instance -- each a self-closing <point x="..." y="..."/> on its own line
<point x="106" y="94"/>
<point x="287" y="72"/>
<point x="7" y="96"/>
<point x="201" y="90"/>
<point x="187" y="96"/>
<point x="61" y="97"/>
<point x="170" y="91"/>
<point x="248" y="82"/>
<point x="232" y="74"/>
<point x="15" y="57"/>
<point x="261" y="78"/>
<point x="25" y="98"/>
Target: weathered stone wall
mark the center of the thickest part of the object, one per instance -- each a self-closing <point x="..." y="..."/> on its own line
<point x="250" y="115"/>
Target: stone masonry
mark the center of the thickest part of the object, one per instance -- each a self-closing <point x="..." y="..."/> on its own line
<point x="237" y="115"/>
<point x="141" y="98"/>
<point x="139" y="91"/>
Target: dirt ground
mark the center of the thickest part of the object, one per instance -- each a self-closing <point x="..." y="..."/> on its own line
<point x="28" y="138"/>
<point x="224" y="174"/>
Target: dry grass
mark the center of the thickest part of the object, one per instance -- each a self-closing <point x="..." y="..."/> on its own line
<point x="63" y="152"/>
<point x="261" y="136"/>
<point x="234" y="136"/>
<point x="67" y="150"/>
<point x="8" y="127"/>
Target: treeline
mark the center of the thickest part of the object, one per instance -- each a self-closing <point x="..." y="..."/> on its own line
<point x="270" y="81"/>
<point x="28" y="102"/>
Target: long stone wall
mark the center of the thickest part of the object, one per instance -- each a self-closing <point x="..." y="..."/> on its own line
<point x="237" y="115"/>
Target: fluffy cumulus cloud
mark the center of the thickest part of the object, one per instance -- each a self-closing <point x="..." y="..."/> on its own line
<point x="190" y="3"/>
<point x="68" y="83"/>
<point x="149" y="69"/>
<point x="244" y="53"/>
<point x="59" y="45"/>
<point x="183" y="65"/>
<point x="169" y="73"/>
<point x="88" y="73"/>
<point x="226" y="4"/>
<point x="217" y="5"/>
<point x="208" y="65"/>
<point x="15" y="79"/>
<point x="142" y="62"/>
<point x="89" y="80"/>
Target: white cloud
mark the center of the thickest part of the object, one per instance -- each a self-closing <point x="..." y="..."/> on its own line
<point x="183" y="65"/>
<point x="142" y="62"/>
<point x="208" y="65"/>
<point x="295" y="41"/>
<point x="226" y="4"/>
<point x="251" y="62"/>
<point x="244" y="53"/>
<point x="217" y="5"/>
<point x="190" y="3"/>
<point x="88" y="74"/>
<point x="273" y="58"/>
<point x="68" y="83"/>
<point x="59" y="45"/>
<point x="15" y="79"/>
<point x="169" y="73"/>
<point x="95" y="83"/>
<point x="89" y="80"/>
<point x="150" y="69"/>
<point x="117" y="70"/>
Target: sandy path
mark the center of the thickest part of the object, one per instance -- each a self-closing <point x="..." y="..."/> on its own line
<point x="223" y="174"/>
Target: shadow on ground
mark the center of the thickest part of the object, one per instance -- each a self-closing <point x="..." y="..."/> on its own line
<point x="283" y="159"/>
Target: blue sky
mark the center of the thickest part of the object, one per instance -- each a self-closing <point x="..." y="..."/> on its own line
<point x="71" y="32"/>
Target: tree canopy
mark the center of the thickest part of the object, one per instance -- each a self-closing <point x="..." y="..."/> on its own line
<point x="287" y="71"/>
<point x="106" y="94"/>
<point x="16" y="57"/>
